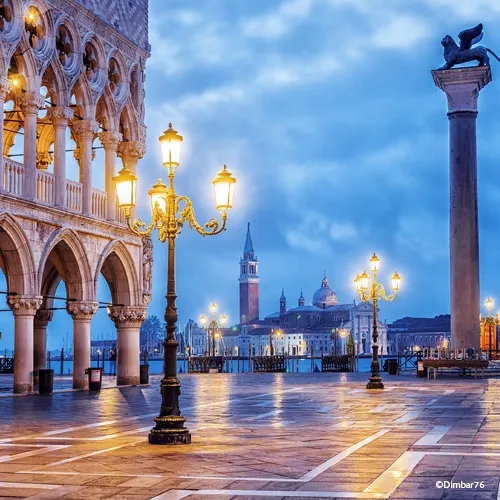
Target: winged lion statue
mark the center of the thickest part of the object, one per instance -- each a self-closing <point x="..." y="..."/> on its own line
<point x="454" y="54"/>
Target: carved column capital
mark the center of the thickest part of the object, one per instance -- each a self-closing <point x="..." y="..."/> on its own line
<point x="128" y="316"/>
<point x="23" y="305"/>
<point x="5" y="87"/>
<point x="110" y="140"/>
<point x="82" y="311"/>
<point x="43" y="160"/>
<point x="131" y="152"/>
<point x="462" y="86"/>
<point x="85" y="129"/>
<point x="60" y="115"/>
<point x="31" y="102"/>
<point x="43" y="317"/>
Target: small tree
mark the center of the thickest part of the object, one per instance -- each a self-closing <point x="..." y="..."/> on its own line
<point x="152" y="332"/>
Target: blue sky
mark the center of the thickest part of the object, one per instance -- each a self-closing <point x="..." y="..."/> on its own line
<point x="326" y="112"/>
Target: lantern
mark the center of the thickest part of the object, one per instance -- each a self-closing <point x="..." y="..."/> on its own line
<point x="224" y="187"/>
<point x="170" y="147"/>
<point x="125" y="183"/>
<point x="158" y="195"/>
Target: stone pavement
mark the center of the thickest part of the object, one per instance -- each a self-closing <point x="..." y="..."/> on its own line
<point x="319" y="435"/>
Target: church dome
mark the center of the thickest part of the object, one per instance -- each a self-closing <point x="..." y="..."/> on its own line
<point x="325" y="296"/>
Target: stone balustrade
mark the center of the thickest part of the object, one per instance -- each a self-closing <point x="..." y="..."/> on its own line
<point x="46" y="191"/>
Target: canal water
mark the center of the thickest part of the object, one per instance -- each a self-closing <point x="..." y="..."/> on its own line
<point x="156" y="366"/>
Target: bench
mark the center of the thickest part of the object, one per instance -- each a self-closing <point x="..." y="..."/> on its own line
<point x="473" y="364"/>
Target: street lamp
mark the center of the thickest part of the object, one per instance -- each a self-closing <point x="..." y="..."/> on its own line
<point x="343" y="335"/>
<point x="169" y="213"/>
<point x="213" y="327"/>
<point x="277" y="334"/>
<point x="489" y="326"/>
<point x="373" y="293"/>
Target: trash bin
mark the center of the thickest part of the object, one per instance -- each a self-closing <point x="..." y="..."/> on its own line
<point x="144" y="374"/>
<point x="421" y="371"/>
<point x="95" y="378"/>
<point x="392" y="366"/>
<point x="45" y="381"/>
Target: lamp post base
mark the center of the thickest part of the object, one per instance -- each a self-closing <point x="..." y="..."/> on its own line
<point x="169" y="430"/>
<point x="375" y="383"/>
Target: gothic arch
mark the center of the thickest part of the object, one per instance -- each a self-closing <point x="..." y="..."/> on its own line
<point x="120" y="272"/>
<point x="16" y="257"/>
<point x="129" y="125"/>
<point x="65" y="252"/>
<point x="72" y="69"/>
<point x="106" y="113"/>
<point x="27" y="66"/>
<point x="85" y="107"/>
<point x="55" y="81"/>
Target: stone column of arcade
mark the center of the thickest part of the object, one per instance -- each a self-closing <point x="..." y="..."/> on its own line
<point x="4" y="88"/>
<point x="82" y="313"/>
<point x="30" y="103"/>
<point x="24" y="309"/>
<point x="42" y="319"/>
<point x="110" y="141"/>
<point x="128" y="321"/>
<point x="462" y="87"/>
<point x="85" y="131"/>
<point x="60" y="116"/>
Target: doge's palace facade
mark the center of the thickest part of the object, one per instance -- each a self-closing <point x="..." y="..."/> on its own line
<point x="77" y="66"/>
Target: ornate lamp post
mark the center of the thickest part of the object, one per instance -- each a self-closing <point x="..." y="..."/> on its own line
<point x="169" y="213"/>
<point x="213" y="327"/>
<point x="374" y="293"/>
<point x="489" y="328"/>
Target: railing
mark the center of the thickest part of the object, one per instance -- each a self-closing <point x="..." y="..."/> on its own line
<point x="334" y="363"/>
<point x="13" y="176"/>
<point x="269" y="364"/>
<point x="408" y="361"/>
<point x="45" y="187"/>
<point x="6" y="365"/>
<point x="74" y="196"/>
<point x="203" y="364"/>
<point x="99" y="203"/>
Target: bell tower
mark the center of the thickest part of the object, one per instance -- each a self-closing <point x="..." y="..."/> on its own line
<point x="282" y="302"/>
<point x="249" y="283"/>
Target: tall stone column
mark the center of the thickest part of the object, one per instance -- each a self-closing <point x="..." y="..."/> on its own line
<point x="42" y="319"/>
<point x="60" y="116"/>
<point x="110" y="141"/>
<point x="82" y="313"/>
<point x="85" y="131"/>
<point x="4" y="88"/>
<point x="30" y="103"/>
<point x="128" y="321"/>
<point x="131" y="152"/>
<point x="24" y="309"/>
<point x="462" y="86"/>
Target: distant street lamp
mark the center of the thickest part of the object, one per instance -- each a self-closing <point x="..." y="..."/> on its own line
<point x="489" y="326"/>
<point x="343" y="335"/>
<point x="169" y="213"/>
<point x="213" y="327"/>
<point x="373" y="293"/>
<point x="277" y="334"/>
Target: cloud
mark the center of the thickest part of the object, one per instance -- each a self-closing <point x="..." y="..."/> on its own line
<point x="279" y="22"/>
<point x="343" y="231"/>
<point x="401" y="32"/>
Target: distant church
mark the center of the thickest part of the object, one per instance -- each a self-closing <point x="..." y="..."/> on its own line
<point x="306" y="328"/>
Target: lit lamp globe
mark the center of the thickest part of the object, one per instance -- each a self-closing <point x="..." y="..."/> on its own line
<point x="203" y="319"/>
<point x="489" y="304"/>
<point x="170" y="147"/>
<point x="158" y="195"/>
<point x="279" y="333"/>
<point x="213" y="307"/>
<point x="126" y="184"/>
<point x="364" y="281"/>
<point x="375" y="263"/>
<point x="223" y="319"/>
<point x="224" y="188"/>
<point x="396" y="281"/>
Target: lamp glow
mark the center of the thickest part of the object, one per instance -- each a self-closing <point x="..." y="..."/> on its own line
<point x="374" y="263"/>
<point x="158" y="194"/>
<point x="213" y="307"/>
<point x="203" y="319"/>
<point x="170" y="147"/>
<point x="126" y="182"/>
<point x="364" y="281"/>
<point x="395" y="280"/>
<point x="223" y="319"/>
<point x="224" y="188"/>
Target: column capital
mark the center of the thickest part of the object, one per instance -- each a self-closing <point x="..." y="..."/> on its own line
<point x="83" y="310"/>
<point x="24" y="305"/>
<point x="131" y="151"/>
<point x="43" y="317"/>
<point x="462" y="86"/>
<point x="128" y="316"/>
<point x="5" y="87"/>
<point x="86" y="128"/>
<point x="110" y="140"/>
<point x="43" y="160"/>
<point x="31" y="102"/>
<point x="60" y="115"/>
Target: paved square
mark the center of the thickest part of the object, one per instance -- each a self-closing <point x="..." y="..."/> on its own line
<point x="259" y="435"/>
